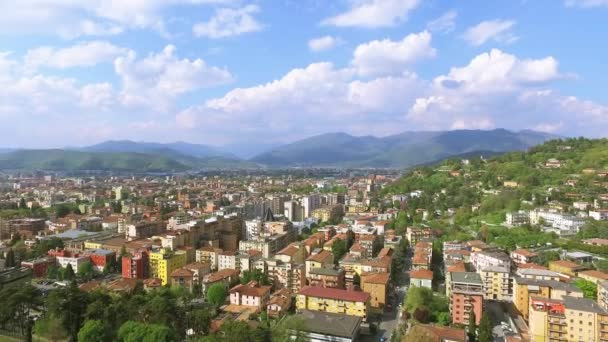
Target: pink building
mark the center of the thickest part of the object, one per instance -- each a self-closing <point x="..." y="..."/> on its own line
<point x="250" y="294"/>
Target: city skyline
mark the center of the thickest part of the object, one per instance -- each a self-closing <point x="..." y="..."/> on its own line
<point x="223" y="72"/>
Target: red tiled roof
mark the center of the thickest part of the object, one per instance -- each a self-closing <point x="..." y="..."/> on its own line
<point x="375" y="278"/>
<point x="564" y="263"/>
<point x="320" y="257"/>
<point x="594" y="274"/>
<point x="329" y="293"/>
<point x="457" y="267"/>
<point x="422" y="274"/>
<point x="525" y="253"/>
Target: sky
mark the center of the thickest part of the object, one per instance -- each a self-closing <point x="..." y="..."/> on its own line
<point x="247" y="72"/>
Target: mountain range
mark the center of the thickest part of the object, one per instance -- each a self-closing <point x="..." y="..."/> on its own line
<point x="326" y="150"/>
<point x="401" y="150"/>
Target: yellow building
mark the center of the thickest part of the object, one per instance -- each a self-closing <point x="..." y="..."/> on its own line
<point x="93" y="245"/>
<point x="353" y="303"/>
<point x="568" y="319"/>
<point x="565" y="267"/>
<point x="163" y="263"/>
<point x="376" y="284"/>
<point x="496" y="283"/>
<point x="524" y="288"/>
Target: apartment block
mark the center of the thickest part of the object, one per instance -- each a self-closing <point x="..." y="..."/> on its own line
<point x="497" y="283"/>
<point x="466" y="296"/>
<point x="352" y="303"/>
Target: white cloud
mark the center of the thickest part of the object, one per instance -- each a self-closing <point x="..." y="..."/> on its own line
<point x="586" y="3"/>
<point x="308" y="100"/>
<point x="159" y="78"/>
<point x="323" y="43"/>
<point x="387" y="56"/>
<point x="61" y="110"/>
<point x="74" y="18"/>
<point x="495" y="89"/>
<point x="496" y="71"/>
<point x="444" y="24"/>
<point x="84" y="54"/>
<point x="228" y="22"/>
<point x="373" y="13"/>
<point x="498" y="30"/>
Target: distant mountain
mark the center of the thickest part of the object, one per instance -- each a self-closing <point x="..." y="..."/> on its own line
<point x="400" y="150"/>
<point x="67" y="160"/>
<point x="169" y="149"/>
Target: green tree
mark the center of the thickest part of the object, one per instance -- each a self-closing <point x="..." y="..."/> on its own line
<point x="140" y="332"/>
<point x="69" y="304"/>
<point x="22" y="204"/>
<point x="472" y="327"/>
<point x="62" y="210"/>
<point x="589" y="288"/>
<point x="257" y="275"/>
<point x="338" y="249"/>
<point x="216" y="294"/>
<point x="92" y="331"/>
<point x="68" y="273"/>
<point x="199" y="321"/>
<point x="485" y="329"/>
<point x="10" y="258"/>
<point x="85" y="270"/>
<point x="356" y="280"/>
<point x="418" y="297"/>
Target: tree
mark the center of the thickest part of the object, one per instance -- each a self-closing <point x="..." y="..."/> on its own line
<point x="422" y="315"/>
<point x="241" y="331"/>
<point x="356" y="280"/>
<point x="68" y="273"/>
<point x="132" y="331"/>
<point x="62" y="210"/>
<point x="15" y="238"/>
<point x="10" y="258"/>
<point x="199" y="321"/>
<point x="69" y="304"/>
<point x="92" y="331"/>
<point x="350" y="239"/>
<point x="417" y="297"/>
<point x="444" y="318"/>
<point x="216" y="294"/>
<point x="85" y="270"/>
<point x="485" y="329"/>
<point x="589" y="288"/>
<point x="472" y="329"/>
<point x="22" y="204"/>
<point x="338" y="249"/>
<point x="257" y="275"/>
<point x="544" y="258"/>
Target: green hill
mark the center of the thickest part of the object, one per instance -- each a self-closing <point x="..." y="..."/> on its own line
<point x="63" y="160"/>
<point x="402" y="150"/>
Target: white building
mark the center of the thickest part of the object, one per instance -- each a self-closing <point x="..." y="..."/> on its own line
<point x="568" y="224"/>
<point x="485" y="259"/>
<point x="599" y="214"/>
<point x="75" y="261"/>
<point x="253" y="228"/>
<point x="518" y="218"/>
<point x="310" y="203"/>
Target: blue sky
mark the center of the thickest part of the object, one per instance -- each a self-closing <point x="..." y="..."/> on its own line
<point x="266" y="72"/>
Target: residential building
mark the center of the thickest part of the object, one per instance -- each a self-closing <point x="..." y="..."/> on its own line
<point x="377" y="285"/>
<point x="250" y="294"/>
<point x="101" y="257"/>
<point x="524" y="289"/>
<point x="593" y="276"/>
<point x="484" y="259"/>
<point x="210" y="255"/>
<point x="439" y="333"/>
<point x="285" y="274"/>
<point x="163" y="263"/>
<point x="279" y="303"/>
<point x="455" y="267"/>
<point x="414" y="234"/>
<point x="421" y="278"/>
<point x="568" y="319"/>
<point x="319" y="259"/>
<point x="226" y="277"/>
<point x="327" y="327"/>
<point x="75" y="261"/>
<point x="538" y="274"/>
<point x="183" y="277"/>
<point x="518" y="218"/>
<point x="466" y="296"/>
<point x="38" y="266"/>
<point x="599" y="214"/>
<point x="496" y="283"/>
<point x="566" y="267"/>
<point x="353" y="303"/>
<point x="136" y="266"/>
<point x="602" y="294"/>
<point x="326" y="277"/>
<point x="523" y="256"/>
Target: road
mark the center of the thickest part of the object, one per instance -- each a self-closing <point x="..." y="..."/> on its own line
<point x="390" y="320"/>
